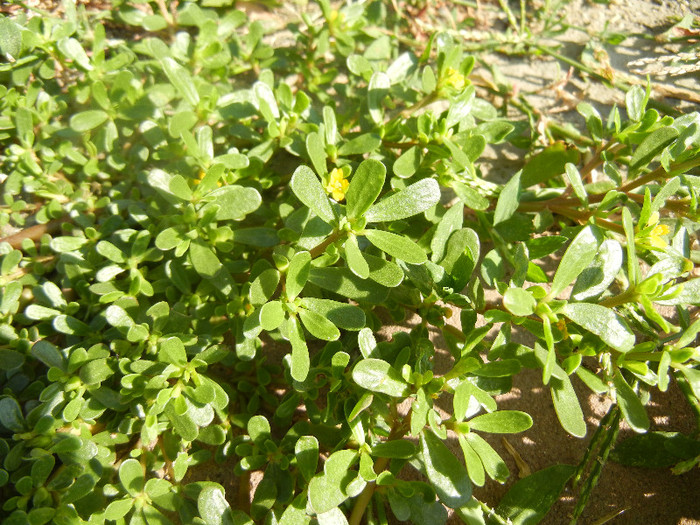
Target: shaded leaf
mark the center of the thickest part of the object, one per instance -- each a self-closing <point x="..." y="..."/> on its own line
<point x="446" y="473"/>
<point x="530" y="498"/>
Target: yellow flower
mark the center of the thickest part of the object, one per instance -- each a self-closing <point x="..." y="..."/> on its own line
<point x="337" y="184"/>
<point x="655" y="237"/>
<point x="455" y="79"/>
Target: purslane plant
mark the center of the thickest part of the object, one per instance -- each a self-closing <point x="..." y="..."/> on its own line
<point x="178" y="205"/>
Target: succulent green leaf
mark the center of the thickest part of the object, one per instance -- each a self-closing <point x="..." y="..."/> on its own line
<point x="272" y="315"/>
<point x="361" y="144"/>
<point x="300" y="352"/>
<point x="687" y="292"/>
<point x="213" y="507"/>
<point x="171" y="350"/>
<point x="72" y="49"/>
<point x="395" y="448"/>
<point x="495" y="467"/>
<point x="365" y="186"/>
<point x="397" y="246"/>
<point x="576" y="182"/>
<point x="475" y="467"/>
<point x="306" y="453"/>
<point x="342" y="281"/>
<point x="416" y="198"/>
<point x="354" y="258"/>
<point x="595" y="279"/>
<point x="446" y="473"/>
<point x="204" y="260"/>
<point x="651" y="146"/>
<point x="548" y="164"/>
<point x="576" y="259"/>
<point x="501" y="422"/>
<point x="234" y="202"/>
<point x="508" y="200"/>
<point x="635" y="101"/>
<point x="265" y="99"/>
<point x="297" y="274"/>
<point x="318" y="325"/>
<point x="10" y="38"/>
<point x="315" y="148"/>
<point x="655" y="450"/>
<point x="308" y="189"/>
<point x="131" y="476"/>
<point x="328" y="489"/>
<point x="118" y="509"/>
<point x="379" y="376"/>
<point x="181" y="80"/>
<point x="88" y="120"/>
<point x="342" y="315"/>
<point x="603" y="322"/>
<point x="408" y="163"/>
<point x="530" y="498"/>
<point x="383" y="272"/>
<point x="519" y="302"/>
<point x="631" y="406"/>
<point x="172" y="187"/>
<point x="566" y="405"/>
<point x="264" y="286"/>
<point x="11" y="415"/>
<point x="10" y="359"/>
<point x="450" y="222"/>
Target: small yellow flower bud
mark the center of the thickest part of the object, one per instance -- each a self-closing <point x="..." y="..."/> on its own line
<point x="455" y="79"/>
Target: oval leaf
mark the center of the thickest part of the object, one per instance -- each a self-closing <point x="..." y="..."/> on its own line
<point x="318" y="325"/>
<point x="308" y="189"/>
<point x="631" y="406"/>
<point x="365" y="186"/>
<point x="446" y="473"/>
<point x="379" y="376"/>
<point x="414" y="199"/>
<point x="501" y="422"/>
<point x="297" y="274"/>
<point x="397" y="246"/>
<point x="603" y="322"/>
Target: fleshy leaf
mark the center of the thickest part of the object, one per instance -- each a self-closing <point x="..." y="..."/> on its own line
<point x="297" y="274"/>
<point x="603" y="322"/>
<point x="365" y="186"/>
<point x="318" y="325"/>
<point x="631" y="406"/>
<point x="308" y="189"/>
<point x="446" y="473"/>
<point x="501" y="422"/>
<point x="377" y="375"/>
<point x="414" y="199"/>
<point x="397" y="246"/>
<point x="530" y="498"/>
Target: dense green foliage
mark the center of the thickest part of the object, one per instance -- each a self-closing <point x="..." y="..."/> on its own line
<point x="177" y="204"/>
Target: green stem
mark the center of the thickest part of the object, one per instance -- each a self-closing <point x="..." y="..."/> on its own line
<point x="362" y="501"/>
<point x="333" y="237"/>
<point x="628" y="296"/>
<point x="593" y="478"/>
<point x="511" y="17"/>
<point x="491" y="513"/>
